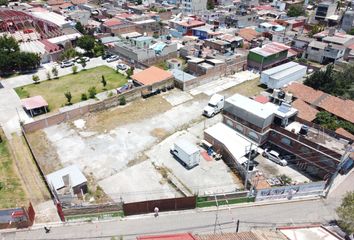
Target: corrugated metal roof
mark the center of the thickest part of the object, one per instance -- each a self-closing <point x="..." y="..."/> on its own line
<point x="76" y="177"/>
<point x="270" y="49"/>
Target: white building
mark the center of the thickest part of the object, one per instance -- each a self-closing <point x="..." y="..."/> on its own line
<point x="194" y="6"/>
<point x="278" y="77"/>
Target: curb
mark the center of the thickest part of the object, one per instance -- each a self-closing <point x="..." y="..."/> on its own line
<point x="162" y="214"/>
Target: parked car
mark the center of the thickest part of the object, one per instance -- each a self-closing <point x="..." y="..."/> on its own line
<point x="112" y="58"/>
<point x="275" y="157"/>
<point x="66" y="64"/>
<point x="122" y="66"/>
<point x="108" y="55"/>
<point x="82" y="59"/>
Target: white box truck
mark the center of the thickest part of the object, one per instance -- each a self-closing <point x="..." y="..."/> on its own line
<point x="186" y="152"/>
<point x="215" y="105"/>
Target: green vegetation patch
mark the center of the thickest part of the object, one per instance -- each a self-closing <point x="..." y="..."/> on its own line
<point x="77" y="84"/>
<point x="95" y="216"/>
<point x="201" y="203"/>
<point x="11" y="191"/>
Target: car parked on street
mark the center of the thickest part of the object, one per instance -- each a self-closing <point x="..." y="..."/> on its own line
<point x="275" y="157"/>
<point x="112" y="58"/>
<point x="66" y="64"/>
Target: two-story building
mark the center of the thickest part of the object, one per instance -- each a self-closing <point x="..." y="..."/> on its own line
<point x="267" y="56"/>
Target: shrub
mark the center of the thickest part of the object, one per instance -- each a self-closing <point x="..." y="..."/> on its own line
<point x="122" y="100"/>
<point x="92" y="92"/>
<point x="74" y="69"/>
<point x="35" y="79"/>
<point x="83" y="96"/>
<point x="68" y="97"/>
<point x="55" y="72"/>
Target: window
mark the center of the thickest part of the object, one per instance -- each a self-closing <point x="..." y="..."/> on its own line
<point x="286" y="141"/>
<point x="229" y="122"/>
<point x="305" y="150"/>
<point x="327" y="161"/>
<point x="239" y="128"/>
<point x="253" y="135"/>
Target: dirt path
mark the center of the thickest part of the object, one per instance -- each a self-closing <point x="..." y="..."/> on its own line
<point x="33" y="183"/>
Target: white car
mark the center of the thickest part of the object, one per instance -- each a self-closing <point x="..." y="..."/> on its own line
<point x="122" y="66"/>
<point x="275" y="157"/>
<point x="112" y="58"/>
<point x="66" y="64"/>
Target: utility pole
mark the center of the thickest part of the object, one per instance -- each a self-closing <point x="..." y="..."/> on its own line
<point x="237" y="225"/>
<point x="339" y="166"/>
<point x="248" y="165"/>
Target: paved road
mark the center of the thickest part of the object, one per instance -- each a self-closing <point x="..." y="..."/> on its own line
<point x="26" y="79"/>
<point x="201" y="221"/>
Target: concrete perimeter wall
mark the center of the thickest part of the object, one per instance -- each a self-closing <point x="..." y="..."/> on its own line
<point x="58" y="118"/>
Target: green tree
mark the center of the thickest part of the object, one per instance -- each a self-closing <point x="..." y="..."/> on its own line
<point x="83" y="96"/>
<point x="68" y="54"/>
<point x="351" y="31"/>
<point x="4" y="2"/>
<point x="26" y="61"/>
<point x="80" y="28"/>
<point x="210" y="4"/>
<point x="74" y="69"/>
<point x="8" y="45"/>
<point x="295" y="11"/>
<point x="130" y="72"/>
<point x="55" y="72"/>
<point x="122" y="100"/>
<point x="316" y="29"/>
<point x="87" y="43"/>
<point x="83" y="63"/>
<point x="98" y="50"/>
<point x="92" y="92"/>
<point x="346" y="213"/>
<point x="68" y="97"/>
<point x="35" y="79"/>
<point x="103" y="81"/>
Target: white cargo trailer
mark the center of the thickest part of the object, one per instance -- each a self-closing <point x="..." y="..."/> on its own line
<point x="188" y="153"/>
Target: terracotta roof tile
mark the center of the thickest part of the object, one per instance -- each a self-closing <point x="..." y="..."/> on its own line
<point x="112" y="22"/>
<point x="151" y="75"/>
<point x="34" y="102"/>
<point x="339" y="107"/>
<point x="303" y="92"/>
<point x="306" y="112"/>
<point x="345" y="133"/>
<point x="228" y="236"/>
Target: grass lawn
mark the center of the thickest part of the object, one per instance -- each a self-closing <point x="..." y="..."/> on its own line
<point x="53" y="90"/>
<point x="11" y="191"/>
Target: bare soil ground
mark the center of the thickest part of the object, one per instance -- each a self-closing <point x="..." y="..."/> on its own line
<point x="248" y="88"/>
<point x="43" y="149"/>
<point x="137" y="110"/>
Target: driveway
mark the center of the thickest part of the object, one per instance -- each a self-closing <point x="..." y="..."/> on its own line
<point x="11" y="112"/>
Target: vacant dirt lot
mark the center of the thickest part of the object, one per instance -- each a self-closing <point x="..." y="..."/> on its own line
<point x="111" y="146"/>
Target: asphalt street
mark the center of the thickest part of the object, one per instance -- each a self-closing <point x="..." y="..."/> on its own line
<point x="201" y="220"/>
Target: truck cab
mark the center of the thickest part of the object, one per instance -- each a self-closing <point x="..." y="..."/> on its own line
<point x="215" y="105"/>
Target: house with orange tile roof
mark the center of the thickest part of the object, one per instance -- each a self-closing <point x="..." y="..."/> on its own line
<point x="154" y="77"/>
<point x="341" y="108"/>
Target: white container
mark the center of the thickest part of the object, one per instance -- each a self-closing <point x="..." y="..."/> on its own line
<point x="188" y="153"/>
